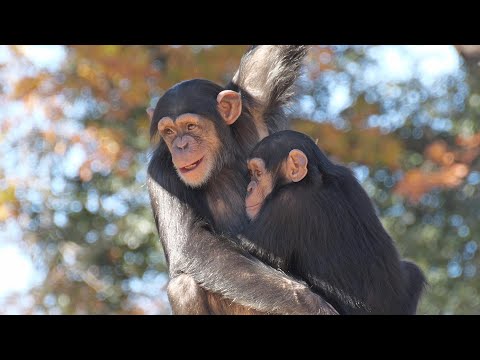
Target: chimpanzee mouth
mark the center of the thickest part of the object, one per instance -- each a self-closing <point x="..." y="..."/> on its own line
<point x="253" y="207"/>
<point x="190" y="167"/>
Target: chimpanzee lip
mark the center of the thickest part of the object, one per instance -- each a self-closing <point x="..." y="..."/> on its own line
<point x="190" y="167"/>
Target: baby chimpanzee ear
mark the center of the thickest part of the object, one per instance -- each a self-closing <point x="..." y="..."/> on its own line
<point x="229" y="105"/>
<point x="296" y="167"/>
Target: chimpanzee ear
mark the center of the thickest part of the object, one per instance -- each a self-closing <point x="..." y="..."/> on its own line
<point x="150" y="112"/>
<point x="296" y="166"/>
<point x="229" y="105"/>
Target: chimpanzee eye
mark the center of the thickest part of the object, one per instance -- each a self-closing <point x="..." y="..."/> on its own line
<point x="168" y="131"/>
<point x="191" y="127"/>
<point x="258" y="173"/>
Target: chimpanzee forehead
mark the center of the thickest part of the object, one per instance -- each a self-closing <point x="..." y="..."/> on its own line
<point x="195" y="96"/>
<point x="256" y="163"/>
<point x="275" y="148"/>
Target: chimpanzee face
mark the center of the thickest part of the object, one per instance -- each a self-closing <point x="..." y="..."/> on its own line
<point x="263" y="180"/>
<point x="190" y="118"/>
<point x="194" y="144"/>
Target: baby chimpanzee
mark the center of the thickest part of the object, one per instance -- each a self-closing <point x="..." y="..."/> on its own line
<point x="312" y="219"/>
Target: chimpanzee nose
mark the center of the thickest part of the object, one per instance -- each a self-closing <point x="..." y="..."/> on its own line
<point x="182" y="143"/>
<point x="250" y="187"/>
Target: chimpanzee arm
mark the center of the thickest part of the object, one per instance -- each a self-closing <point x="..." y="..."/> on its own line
<point x="218" y="265"/>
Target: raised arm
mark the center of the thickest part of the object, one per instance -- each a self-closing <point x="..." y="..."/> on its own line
<point x="266" y="79"/>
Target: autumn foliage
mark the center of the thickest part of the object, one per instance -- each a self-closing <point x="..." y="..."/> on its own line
<point x="78" y="147"/>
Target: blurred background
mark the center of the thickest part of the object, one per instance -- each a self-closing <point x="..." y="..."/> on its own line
<point x="77" y="234"/>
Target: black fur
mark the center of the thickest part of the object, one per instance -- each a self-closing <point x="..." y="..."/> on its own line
<point x="188" y="227"/>
<point x="324" y="230"/>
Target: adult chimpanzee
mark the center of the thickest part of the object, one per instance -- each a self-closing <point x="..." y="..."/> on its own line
<point x="197" y="185"/>
<point x="312" y="219"/>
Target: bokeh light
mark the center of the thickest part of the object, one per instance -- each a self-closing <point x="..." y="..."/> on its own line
<point x="77" y="234"/>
